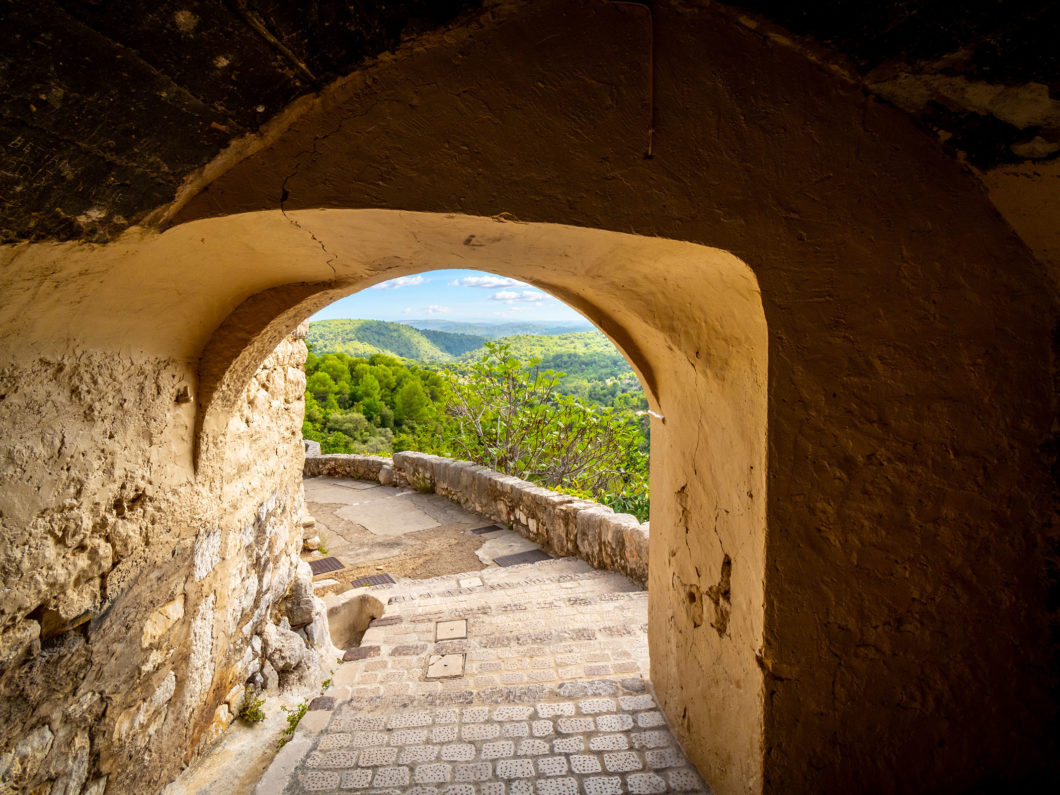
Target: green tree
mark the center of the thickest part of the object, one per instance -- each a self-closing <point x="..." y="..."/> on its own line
<point x="349" y="423"/>
<point x="411" y="403"/>
<point x="509" y="418"/>
<point x="366" y="388"/>
<point x="320" y="386"/>
<point x="334" y="366"/>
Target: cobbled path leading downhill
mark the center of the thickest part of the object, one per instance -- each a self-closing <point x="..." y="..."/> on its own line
<point x="548" y="694"/>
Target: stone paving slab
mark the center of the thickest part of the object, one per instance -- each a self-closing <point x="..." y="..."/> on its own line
<point x="546" y="691"/>
<point x="386" y="511"/>
<point x="374" y="528"/>
<point x="579" y="744"/>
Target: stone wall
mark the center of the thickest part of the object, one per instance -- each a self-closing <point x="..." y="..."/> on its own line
<point x="850" y="354"/>
<point x="139" y="595"/>
<point x="562" y="524"/>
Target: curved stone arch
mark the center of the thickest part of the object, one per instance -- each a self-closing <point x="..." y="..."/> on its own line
<point x="908" y="361"/>
<point x="523" y="251"/>
<point x="689" y="319"/>
<point x="255" y="327"/>
<point x="910" y="366"/>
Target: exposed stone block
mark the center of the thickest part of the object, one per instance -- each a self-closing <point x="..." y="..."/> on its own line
<point x="283" y="648"/>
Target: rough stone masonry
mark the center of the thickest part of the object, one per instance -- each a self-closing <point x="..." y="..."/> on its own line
<point x="144" y="602"/>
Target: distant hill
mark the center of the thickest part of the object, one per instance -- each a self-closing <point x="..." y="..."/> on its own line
<point x="593" y="368"/>
<point x="583" y="355"/>
<point x="366" y="337"/>
<point x="453" y="343"/>
<point x="496" y="330"/>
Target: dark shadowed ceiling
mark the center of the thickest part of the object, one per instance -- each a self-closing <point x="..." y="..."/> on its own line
<point x="108" y="105"/>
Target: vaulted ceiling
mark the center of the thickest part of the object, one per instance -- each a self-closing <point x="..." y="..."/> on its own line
<point x="109" y="105"/>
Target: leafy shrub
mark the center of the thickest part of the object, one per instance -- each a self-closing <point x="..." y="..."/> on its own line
<point x="293" y="717"/>
<point x="250" y="708"/>
<point x="587" y="435"/>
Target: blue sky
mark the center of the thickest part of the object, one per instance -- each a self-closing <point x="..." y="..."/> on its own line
<point x="451" y="295"/>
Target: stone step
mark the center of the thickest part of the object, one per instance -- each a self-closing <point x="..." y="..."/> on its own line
<point x="494" y="574"/>
<point x="536" y="606"/>
<point x="550" y="684"/>
<point x="446" y="589"/>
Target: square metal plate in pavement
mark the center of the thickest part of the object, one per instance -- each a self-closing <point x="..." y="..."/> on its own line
<point x="531" y="556"/>
<point x="324" y="565"/>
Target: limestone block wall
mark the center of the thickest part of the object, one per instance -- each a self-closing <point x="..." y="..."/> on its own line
<point x="138" y="594"/>
<point x="562" y="524"/>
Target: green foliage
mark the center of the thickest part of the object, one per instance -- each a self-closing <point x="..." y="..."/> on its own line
<point x="588" y="365"/>
<point x="293" y="717"/>
<point x="593" y="369"/>
<point x="633" y="496"/>
<point x="368" y="337"/>
<point x="411" y="403"/>
<point x="250" y="708"/>
<point x="374" y="406"/>
<point x="453" y="343"/>
<point x="510" y="418"/>
<point x="320" y="385"/>
<point x="544" y="346"/>
<point x="503" y="408"/>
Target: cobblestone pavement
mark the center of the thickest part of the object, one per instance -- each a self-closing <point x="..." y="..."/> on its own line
<point x="546" y="694"/>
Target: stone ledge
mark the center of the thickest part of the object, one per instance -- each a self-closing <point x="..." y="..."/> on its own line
<point x="560" y="523"/>
<point x="361" y="467"/>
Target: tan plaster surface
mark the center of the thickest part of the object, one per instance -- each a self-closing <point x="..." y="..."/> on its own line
<point x="857" y="597"/>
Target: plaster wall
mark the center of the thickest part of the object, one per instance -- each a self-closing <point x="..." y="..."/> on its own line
<point x="135" y="597"/>
<point x="887" y="626"/>
<point x="613" y="278"/>
<point x="909" y="383"/>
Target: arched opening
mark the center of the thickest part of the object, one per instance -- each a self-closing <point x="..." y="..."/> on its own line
<point x="689" y="320"/>
<point x="909" y="387"/>
<point x="440" y="363"/>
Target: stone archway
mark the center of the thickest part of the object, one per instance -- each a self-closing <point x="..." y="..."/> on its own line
<point x="905" y="625"/>
<point x="704" y="375"/>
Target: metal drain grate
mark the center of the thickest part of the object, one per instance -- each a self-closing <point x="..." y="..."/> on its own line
<point x="483" y="530"/>
<point x="324" y="565"/>
<point x="532" y="556"/>
<point x="373" y="579"/>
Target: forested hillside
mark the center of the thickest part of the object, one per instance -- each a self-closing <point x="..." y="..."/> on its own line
<point x="368" y="337"/>
<point x="591" y="367"/>
<point x="453" y="343"/>
<point x="499" y="405"/>
<point x="495" y="331"/>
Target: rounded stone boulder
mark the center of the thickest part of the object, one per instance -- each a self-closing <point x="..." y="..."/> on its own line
<point x="283" y="648"/>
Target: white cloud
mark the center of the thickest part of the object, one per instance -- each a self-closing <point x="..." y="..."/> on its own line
<point x="488" y="282"/>
<point x="403" y="281"/>
<point x="519" y="296"/>
<point x="434" y="309"/>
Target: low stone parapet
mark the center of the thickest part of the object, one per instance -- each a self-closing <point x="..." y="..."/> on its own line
<point x="560" y="523"/>
<point x="360" y="467"/>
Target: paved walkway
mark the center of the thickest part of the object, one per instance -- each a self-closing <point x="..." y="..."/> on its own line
<point x="496" y="681"/>
<point x="490" y="681"/>
<point x="374" y="529"/>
